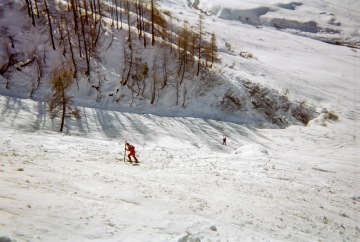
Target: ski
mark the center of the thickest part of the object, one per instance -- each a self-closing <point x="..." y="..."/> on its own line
<point x="133" y="163"/>
<point x="127" y="162"/>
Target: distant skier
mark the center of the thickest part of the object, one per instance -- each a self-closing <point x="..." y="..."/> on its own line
<point x="224" y="140"/>
<point x="132" y="152"/>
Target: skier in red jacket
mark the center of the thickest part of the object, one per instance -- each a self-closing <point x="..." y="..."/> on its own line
<point x="132" y="152"/>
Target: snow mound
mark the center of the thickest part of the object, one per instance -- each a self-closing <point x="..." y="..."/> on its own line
<point x="188" y="238"/>
<point x="322" y="119"/>
<point x="252" y="150"/>
<point x="318" y="121"/>
<point x="249" y="16"/>
<point x="289" y="6"/>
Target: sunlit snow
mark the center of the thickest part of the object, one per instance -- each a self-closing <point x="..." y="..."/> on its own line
<point x="295" y="184"/>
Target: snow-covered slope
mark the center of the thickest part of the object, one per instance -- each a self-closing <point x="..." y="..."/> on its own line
<point x="293" y="184"/>
<point x="297" y="184"/>
<point x="217" y="93"/>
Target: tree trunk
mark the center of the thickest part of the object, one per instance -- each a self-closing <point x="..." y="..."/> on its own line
<point x="128" y="19"/>
<point x="37" y="9"/>
<point x="28" y="7"/>
<point x="32" y="14"/>
<point x="120" y="5"/>
<point x="72" y="53"/>
<point x="87" y="72"/>
<point x="73" y="6"/>
<point x="63" y="110"/>
<point x="50" y="25"/>
<point x="152" y="24"/>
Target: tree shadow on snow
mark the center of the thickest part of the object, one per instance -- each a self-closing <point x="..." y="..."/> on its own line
<point x="23" y="114"/>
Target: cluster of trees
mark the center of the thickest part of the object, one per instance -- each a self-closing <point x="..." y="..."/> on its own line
<point x="76" y="26"/>
<point x="76" y="29"/>
<point x="185" y="50"/>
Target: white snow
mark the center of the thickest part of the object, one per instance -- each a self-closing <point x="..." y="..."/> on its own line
<point x="294" y="184"/>
<point x="314" y="18"/>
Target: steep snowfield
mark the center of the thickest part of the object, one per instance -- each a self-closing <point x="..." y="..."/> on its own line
<point x="294" y="184"/>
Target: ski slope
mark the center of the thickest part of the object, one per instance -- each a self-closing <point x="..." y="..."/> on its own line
<point x="294" y="184"/>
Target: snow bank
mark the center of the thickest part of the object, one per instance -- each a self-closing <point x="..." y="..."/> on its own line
<point x="250" y="16"/>
<point x="324" y="117"/>
<point x="318" y="121"/>
<point x="252" y="150"/>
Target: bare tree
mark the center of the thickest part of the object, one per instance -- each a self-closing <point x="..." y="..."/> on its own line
<point x="60" y="25"/>
<point x="200" y="36"/>
<point x="75" y="15"/>
<point x="120" y="6"/>
<point x="152" y="23"/>
<point x="28" y="6"/>
<point x="61" y="104"/>
<point x="37" y="9"/>
<point x="31" y="7"/>
<point x="212" y="50"/>
<point x="7" y="61"/>
<point x="71" y="50"/>
<point x="170" y="36"/>
<point x="158" y="23"/>
<point x="143" y="25"/>
<point x="154" y="84"/>
<point x="83" y="20"/>
<point x="183" y="48"/>
<point x="39" y="69"/>
<point x="32" y="12"/>
<point x="138" y="18"/>
<point x="128" y="61"/>
<point x="50" y="25"/>
<point x="11" y="60"/>
<point x="127" y="11"/>
<point x="165" y="63"/>
<point x="116" y="2"/>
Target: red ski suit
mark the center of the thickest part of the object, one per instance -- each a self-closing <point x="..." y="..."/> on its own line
<point x="132" y="152"/>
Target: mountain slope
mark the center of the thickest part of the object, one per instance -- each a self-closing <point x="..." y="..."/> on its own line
<point x="294" y="184"/>
<point x="227" y="91"/>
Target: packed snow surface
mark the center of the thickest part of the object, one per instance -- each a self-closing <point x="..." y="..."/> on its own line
<point x="298" y="184"/>
<point x="294" y="184"/>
